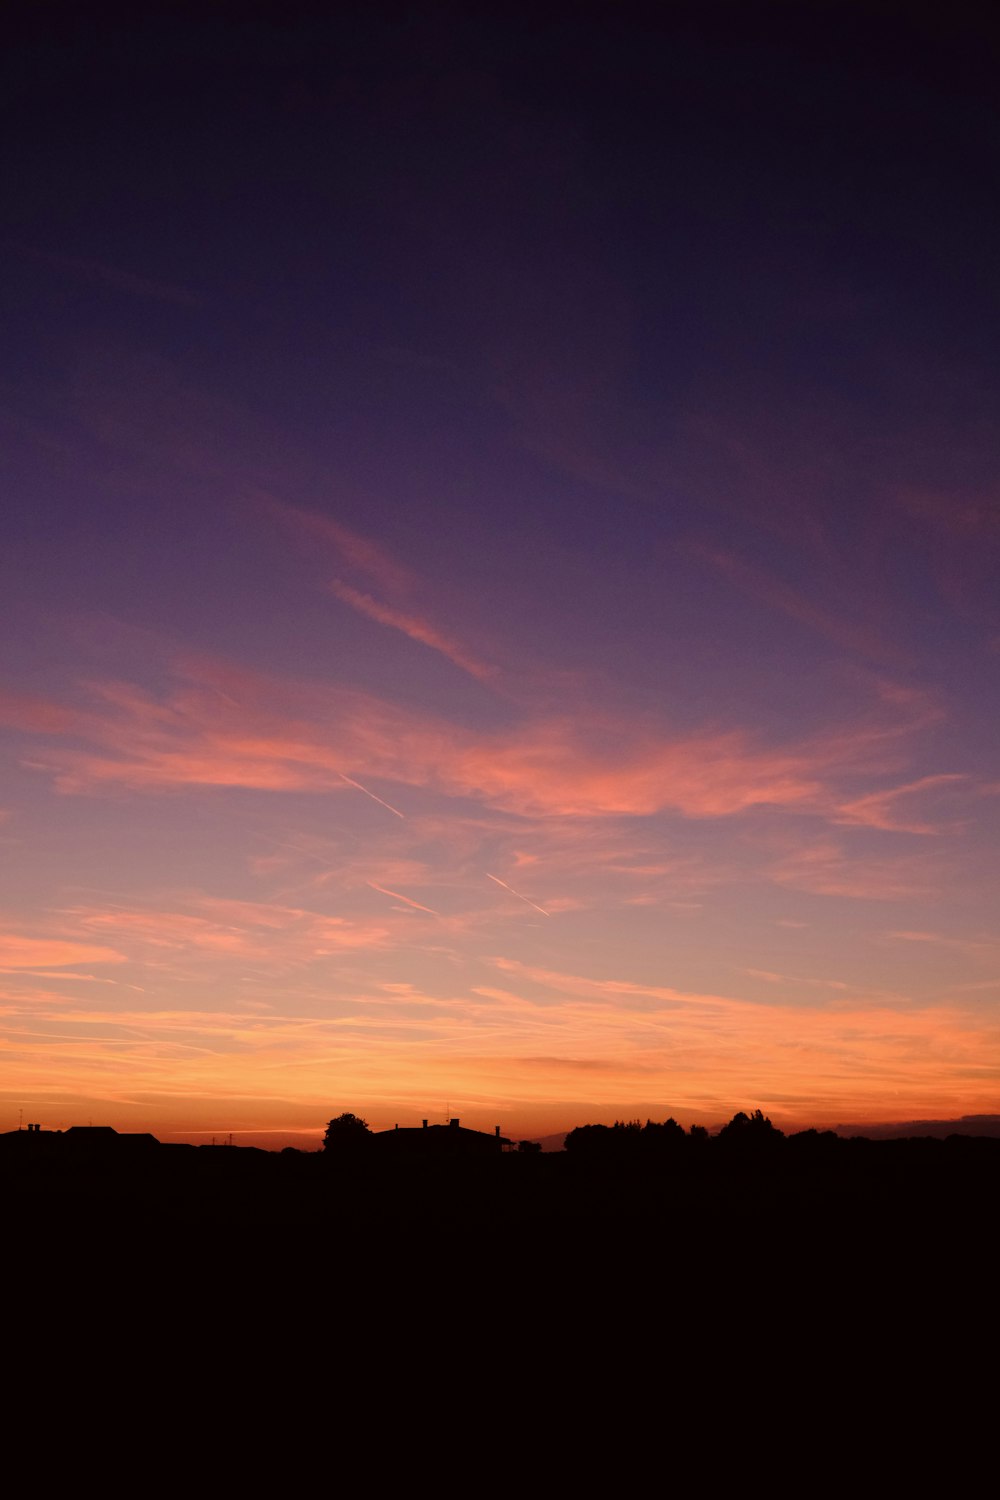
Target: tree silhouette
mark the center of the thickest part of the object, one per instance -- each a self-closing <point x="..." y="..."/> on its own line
<point x="346" y="1133"/>
<point x="750" y="1132"/>
<point x="627" y="1140"/>
<point x="665" y="1139"/>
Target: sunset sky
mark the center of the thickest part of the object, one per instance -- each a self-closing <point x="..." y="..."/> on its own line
<point x="499" y="576"/>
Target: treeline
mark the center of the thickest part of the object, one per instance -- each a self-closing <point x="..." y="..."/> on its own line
<point x="630" y="1138"/>
<point x="657" y="1182"/>
<point x="754" y="1136"/>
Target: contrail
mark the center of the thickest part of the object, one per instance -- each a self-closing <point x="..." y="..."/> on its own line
<point x="517" y="893"/>
<point x="372" y="795"/>
<point x="396" y="896"/>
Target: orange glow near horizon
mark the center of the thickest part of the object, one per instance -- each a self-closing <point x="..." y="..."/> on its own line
<point x="685" y="924"/>
<point x="535" y="1050"/>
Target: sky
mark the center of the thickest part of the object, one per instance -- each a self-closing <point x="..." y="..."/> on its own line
<point x="499" y="573"/>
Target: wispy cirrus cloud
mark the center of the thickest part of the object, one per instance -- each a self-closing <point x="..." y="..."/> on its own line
<point x="526" y="1044"/>
<point x="584" y="988"/>
<point x="962" y="515"/>
<point x="229" y="929"/>
<point x="100" y="273"/>
<point x="221" y="726"/>
<point x="849" y="634"/>
<point x="18" y="951"/>
<point x="363" y="554"/>
<point x="881" y="809"/>
<point x="829" y="867"/>
<point x="861" y="1031"/>
<point x="980" y="947"/>
<point x="39" y="715"/>
<point x="415" y="628"/>
<point x="709" y="1045"/>
<point x="372" y="562"/>
<point x="771" y="977"/>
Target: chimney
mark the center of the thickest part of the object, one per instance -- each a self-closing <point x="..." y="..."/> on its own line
<point x="424" y="1124"/>
<point x="498" y="1132"/>
<point x="453" y="1124"/>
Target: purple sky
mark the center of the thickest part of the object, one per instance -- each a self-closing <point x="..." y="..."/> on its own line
<point x="499" y="583"/>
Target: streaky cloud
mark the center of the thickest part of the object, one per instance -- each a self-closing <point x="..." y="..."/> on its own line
<point x="360" y="552"/>
<point x="878" y="809"/>
<point x="848" y="634"/>
<point x="219" y="725"/>
<point x="415" y="628"/>
<point x="113" y="276"/>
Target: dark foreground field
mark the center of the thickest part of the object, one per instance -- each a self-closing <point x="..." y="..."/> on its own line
<point x="791" y="1295"/>
<point x="804" y="1193"/>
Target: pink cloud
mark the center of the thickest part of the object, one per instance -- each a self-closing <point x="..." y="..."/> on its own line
<point x="796" y="979"/>
<point x="551" y="767"/>
<point x="173" y="930"/>
<point x="963" y="517"/>
<point x="415" y="628"/>
<point x="583" y="988"/>
<point x="845" y="632"/>
<point x="987" y="947"/>
<point x="37" y="715"/>
<point x="364" y="555"/>
<point x="827" y="867"/>
<point x="18" y="952"/>
<point x="497" y="1050"/>
<point x="220" y="726"/>
<point x="863" y="1046"/>
<point x="370" y="560"/>
<point x="879" y="810"/>
<point x="228" y="929"/>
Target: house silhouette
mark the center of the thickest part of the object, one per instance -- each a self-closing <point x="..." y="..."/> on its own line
<point x="451" y="1140"/>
